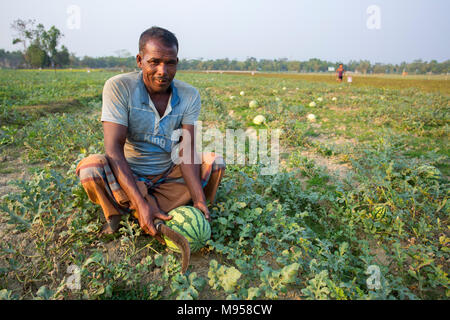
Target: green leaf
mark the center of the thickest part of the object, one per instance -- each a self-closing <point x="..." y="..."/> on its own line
<point x="222" y="220"/>
<point x="253" y="293"/>
<point x="6" y="294"/>
<point x="159" y="260"/>
<point x="229" y="278"/>
<point x="44" y="293"/>
<point x="197" y="282"/>
<point x="96" y="257"/>
<point x="184" y="295"/>
<point x="289" y="273"/>
<point x="412" y="273"/>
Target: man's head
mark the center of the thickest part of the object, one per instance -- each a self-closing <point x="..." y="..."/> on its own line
<point x="158" y="58"/>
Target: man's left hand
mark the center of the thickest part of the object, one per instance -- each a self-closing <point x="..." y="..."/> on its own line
<point x="203" y="208"/>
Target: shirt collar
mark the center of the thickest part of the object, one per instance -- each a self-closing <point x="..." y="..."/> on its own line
<point x="175" y="99"/>
<point x="168" y="107"/>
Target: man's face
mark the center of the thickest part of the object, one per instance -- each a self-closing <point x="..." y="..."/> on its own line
<point x="159" y="65"/>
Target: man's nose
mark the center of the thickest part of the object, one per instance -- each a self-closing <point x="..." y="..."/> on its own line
<point x="162" y="69"/>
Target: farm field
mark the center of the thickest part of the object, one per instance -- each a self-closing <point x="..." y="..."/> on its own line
<point x="358" y="210"/>
<point x="434" y="83"/>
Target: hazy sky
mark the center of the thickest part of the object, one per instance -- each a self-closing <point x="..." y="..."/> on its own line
<point x="335" y="30"/>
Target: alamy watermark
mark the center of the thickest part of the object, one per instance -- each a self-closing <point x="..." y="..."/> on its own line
<point x="232" y="146"/>
<point x="73" y="282"/>
<point x="374" y="19"/>
<point x="74" y="17"/>
<point x="373" y="281"/>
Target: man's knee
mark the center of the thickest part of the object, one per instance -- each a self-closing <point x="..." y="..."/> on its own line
<point x="214" y="159"/>
<point x="219" y="163"/>
<point x="91" y="166"/>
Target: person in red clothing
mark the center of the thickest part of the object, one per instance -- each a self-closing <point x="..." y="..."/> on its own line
<point x="340" y="73"/>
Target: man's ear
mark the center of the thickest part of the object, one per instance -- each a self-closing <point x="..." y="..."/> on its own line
<point x="139" y="60"/>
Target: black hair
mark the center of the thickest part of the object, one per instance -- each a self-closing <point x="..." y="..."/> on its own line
<point x="165" y="36"/>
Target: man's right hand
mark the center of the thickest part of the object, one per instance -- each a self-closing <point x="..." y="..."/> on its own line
<point x="147" y="216"/>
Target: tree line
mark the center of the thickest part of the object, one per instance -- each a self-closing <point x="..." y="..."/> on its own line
<point x="16" y="60"/>
<point x="40" y="50"/>
<point x="40" y="46"/>
<point x="315" y="65"/>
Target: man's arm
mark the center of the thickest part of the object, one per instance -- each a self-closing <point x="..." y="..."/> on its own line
<point x="114" y="138"/>
<point x="190" y="170"/>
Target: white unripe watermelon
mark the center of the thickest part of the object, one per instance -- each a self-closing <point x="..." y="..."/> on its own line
<point x="311" y="117"/>
<point x="253" y="104"/>
<point x="259" y="119"/>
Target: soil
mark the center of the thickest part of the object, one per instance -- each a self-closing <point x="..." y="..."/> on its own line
<point x="12" y="168"/>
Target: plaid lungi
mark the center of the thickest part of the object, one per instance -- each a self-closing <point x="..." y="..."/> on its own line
<point x="167" y="190"/>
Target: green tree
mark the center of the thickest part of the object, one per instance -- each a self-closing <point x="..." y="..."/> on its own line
<point x="379" y="68"/>
<point x="62" y="57"/>
<point x="39" y="45"/>
<point x="364" y="66"/>
<point x="36" y="57"/>
<point x="23" y="34"/>
<point x="50" y="40"/>
<point x="13" y="59"/>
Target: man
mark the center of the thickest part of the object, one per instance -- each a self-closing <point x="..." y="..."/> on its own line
<point x="340" y="73"/>
<point x="141" y="112"/>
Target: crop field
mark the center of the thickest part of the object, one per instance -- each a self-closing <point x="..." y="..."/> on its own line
<point x="357" y="210"/>
<point x="434" y="83"/>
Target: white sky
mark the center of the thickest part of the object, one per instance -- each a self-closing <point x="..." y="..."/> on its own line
<point x="334" y="30"/>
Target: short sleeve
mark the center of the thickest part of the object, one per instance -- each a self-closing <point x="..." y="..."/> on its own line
<point x="192" y="111"/>
<point x="115" y="102"/>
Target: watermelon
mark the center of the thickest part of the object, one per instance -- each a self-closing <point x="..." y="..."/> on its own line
<point x="428" y="172"/>
<point x="380" y="211"/>
<point x="192" y="224"/>
<point x="259" y="119"/>
<point x="253" y="104"/>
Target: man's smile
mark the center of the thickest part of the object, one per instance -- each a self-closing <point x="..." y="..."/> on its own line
<point x="162" y="81"/>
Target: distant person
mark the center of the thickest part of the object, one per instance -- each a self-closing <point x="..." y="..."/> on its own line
<point x="340" y="73"/>
<point x="141" y="114"/>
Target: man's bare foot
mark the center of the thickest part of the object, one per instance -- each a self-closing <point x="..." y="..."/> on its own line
<point x="111" y="225"/>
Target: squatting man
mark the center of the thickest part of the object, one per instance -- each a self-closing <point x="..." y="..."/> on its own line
<point x="140" y="112"/>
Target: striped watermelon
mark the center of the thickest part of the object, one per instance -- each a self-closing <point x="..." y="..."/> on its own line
<point x="428" y="172"/>
<point x="380" y="211"/>
<point x="192" y="224"/>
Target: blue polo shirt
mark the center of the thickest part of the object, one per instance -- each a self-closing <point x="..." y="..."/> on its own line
<point x="148" y="144"/>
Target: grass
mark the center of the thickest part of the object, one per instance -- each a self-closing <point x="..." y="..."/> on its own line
<point x="311" y="231"/>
